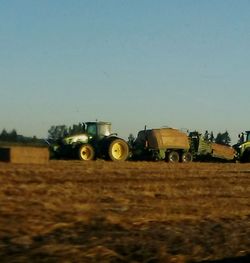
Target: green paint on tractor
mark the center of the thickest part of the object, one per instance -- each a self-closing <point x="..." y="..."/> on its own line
<point x="96" y="141"/>
<point x="243" y="147"/>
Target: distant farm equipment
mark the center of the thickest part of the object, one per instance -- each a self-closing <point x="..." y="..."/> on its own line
<point x="161" y="144"/>
<point x="205" y="150"/>
<point x="96" y="141"/>
<point x="173" y="145"/>
<point x="243" y="147"/>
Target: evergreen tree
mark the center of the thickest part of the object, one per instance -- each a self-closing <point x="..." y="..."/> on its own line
<point x="206" y="136"/>
<point x="4" y="135"/>
<point x="211" y="137"/>
<point x="13" y="136"/>
<point x="218" y="138"/>
<point x="9" y="136"/>
<point x="223" y="138"/>
<point x="57" y="132"/>
<point x="131" y="139"/>
<point x="226" y="138"/>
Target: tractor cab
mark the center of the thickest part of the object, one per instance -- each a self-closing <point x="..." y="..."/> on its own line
<point x="244" y="137"/>
<point x="247" y="136"/>
<point x="98" y="130"/>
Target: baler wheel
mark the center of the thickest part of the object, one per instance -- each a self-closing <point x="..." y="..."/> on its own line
<point x="86" y="152"/>
<point x="186" y="157"/>
<point x="173" y="157"/>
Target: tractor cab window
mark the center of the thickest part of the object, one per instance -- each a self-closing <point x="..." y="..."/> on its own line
<point x="104" y="129"/>
<point x="248" y="136"/>
<point x="91" y="129"/>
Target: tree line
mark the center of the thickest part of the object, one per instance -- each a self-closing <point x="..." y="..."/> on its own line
<point x="221" y="138"/>
<point x="60" y="131"/>
<point x="13" y="136"/>
<point x="55" y="132"/>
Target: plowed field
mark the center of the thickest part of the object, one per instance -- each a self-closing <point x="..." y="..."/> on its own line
<point x="70" y="211"/>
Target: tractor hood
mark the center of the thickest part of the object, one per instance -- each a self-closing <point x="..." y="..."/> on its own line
<point x="78" y="138"/>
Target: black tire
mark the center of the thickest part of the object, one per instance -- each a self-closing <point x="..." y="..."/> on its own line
<point x="118" y="150"/>
<point x="173" y="157"/>
<point x="246" y="156"/>
<point x="86" y="152"/>
<point x="187" y="157"/>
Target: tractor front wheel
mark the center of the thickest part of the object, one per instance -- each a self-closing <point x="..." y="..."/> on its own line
<point x="118" y="150"/>
<point x="86" y="152"/>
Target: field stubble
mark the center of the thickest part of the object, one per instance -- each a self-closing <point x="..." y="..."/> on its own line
<point x="70" y="211"/>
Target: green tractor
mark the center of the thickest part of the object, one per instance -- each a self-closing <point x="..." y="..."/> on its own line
<point x="243" y="147"/>
<point x="96" y="141"/>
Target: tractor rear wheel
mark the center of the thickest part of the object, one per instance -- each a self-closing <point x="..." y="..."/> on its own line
<point x="86" y="152"/>
<point x="118" y="150"/>
<point x="186" y="157"/>
<point x="246" y="156"/>
<point x="173" y="157"/>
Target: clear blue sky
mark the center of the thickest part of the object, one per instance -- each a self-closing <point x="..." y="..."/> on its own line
<point x="183" y="63"/>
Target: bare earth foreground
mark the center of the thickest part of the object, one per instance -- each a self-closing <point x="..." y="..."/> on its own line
<point x="70" y="211"/>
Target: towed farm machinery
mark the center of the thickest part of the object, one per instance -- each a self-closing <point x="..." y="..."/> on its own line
<point x="205" y="150"/>
<point x="96" y="141"/>
<point x="173" y="145"/>
<point x="162" y="144"/>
